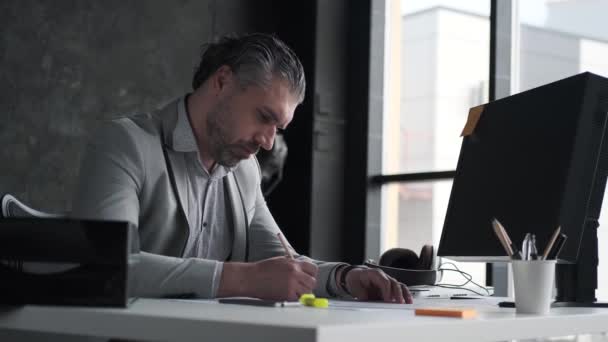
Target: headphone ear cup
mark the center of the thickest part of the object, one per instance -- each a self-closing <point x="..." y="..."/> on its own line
<point x="425" y="261"/>
<point x="399" y="258"/>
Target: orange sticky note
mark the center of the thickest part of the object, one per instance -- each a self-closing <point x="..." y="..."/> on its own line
<point x="474" y="115"/>
<point x="447" y="312"/>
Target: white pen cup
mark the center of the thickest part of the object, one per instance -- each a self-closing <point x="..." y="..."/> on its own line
<point x="533" y="282"/>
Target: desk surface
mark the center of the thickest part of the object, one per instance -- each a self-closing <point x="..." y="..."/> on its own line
<point x="170" y="320"/>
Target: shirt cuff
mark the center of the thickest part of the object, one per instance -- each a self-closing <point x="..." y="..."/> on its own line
<point x="333" y="288"/>
<point x="217" y="276"/>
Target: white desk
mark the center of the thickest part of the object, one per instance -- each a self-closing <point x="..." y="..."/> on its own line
<point x="151" y="319"/>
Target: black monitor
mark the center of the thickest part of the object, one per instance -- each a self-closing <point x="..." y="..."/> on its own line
<point x="534" y="161"/>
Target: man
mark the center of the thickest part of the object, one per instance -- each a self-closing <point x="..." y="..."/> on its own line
<point x="187" y="176"/>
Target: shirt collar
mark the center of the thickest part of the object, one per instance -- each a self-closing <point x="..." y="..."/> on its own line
<point x="183" y="137"/>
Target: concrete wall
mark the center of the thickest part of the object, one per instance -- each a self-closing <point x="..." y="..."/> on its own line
<point x="67" y="63"/>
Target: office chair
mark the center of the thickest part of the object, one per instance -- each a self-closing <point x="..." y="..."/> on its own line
<point x="12" y="207"/>
<point x="272" y="163"/>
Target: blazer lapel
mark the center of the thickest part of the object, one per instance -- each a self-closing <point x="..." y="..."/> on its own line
<point x="240" y="245"/>
<point x="176" y="164"/>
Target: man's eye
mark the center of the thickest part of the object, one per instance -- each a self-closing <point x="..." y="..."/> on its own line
<point x="265" y="118"/>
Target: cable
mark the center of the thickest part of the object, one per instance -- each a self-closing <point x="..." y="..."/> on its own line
<point x="468" y="277"/>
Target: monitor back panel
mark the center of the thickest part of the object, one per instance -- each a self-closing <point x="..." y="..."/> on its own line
<point x="530" y="162"/>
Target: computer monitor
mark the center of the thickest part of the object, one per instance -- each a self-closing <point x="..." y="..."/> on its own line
<point x="535" y="161"/>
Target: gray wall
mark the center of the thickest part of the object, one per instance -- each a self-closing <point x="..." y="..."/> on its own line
<point x="67" y="63"/>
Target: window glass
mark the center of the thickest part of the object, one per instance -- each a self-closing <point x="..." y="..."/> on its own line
<point x="444" y="66"/>
<point x="436" y="68"/>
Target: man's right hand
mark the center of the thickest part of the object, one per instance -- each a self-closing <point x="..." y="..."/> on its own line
<point x="278" y="278"/>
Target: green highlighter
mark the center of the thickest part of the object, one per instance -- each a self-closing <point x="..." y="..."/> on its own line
<point x="309" y="299"/>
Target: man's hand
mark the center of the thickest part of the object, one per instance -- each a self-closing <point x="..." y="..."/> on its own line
<point x="372" y="284"/>
<point x="278" y="278"/>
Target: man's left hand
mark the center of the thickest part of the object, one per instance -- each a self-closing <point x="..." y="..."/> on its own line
<point x="366" y="283"/>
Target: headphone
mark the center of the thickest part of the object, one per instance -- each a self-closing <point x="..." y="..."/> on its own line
<point x="407" y="267"/>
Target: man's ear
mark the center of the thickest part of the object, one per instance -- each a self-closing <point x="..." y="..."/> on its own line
<point x="222" y="79"/>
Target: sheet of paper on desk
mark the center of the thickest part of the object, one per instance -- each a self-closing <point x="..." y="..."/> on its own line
<point x="338" y="304"/>
<point x="209" y="301"/>
<point x="418" y="303"/>
<point x="359" y="305"/>
<point x="242" y="301"/>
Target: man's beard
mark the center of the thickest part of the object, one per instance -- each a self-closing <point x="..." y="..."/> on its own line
<point x="222" y="151"/>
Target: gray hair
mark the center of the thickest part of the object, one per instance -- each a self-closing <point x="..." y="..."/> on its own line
<point x="255" y="59"/>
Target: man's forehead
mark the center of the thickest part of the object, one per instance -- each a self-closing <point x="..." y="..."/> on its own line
<point x="282" y="119"/>
<point x="278" y="101"/>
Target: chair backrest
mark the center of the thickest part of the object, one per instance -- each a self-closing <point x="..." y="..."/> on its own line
<point x="12" y="207"/>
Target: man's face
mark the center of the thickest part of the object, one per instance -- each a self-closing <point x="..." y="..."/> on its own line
<point x="243" y="120"/>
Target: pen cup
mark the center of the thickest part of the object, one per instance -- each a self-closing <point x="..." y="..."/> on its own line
<point x="533" y="282"/>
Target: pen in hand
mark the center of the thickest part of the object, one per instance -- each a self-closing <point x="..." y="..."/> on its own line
<point x="307" y="299"/>
<point x="284" y="243"/>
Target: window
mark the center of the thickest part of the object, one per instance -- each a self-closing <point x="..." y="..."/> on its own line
<point x="436" y="68"/>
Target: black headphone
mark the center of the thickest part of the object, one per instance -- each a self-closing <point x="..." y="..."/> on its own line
<point x="407" y="267"/>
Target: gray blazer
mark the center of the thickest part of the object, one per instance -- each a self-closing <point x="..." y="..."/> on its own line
<point x="130" y="172"/>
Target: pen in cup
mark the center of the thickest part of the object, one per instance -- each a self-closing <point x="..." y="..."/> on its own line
<point x="551" y="242"/>
<point x="525" y="247"/>
<point x="533" y="250"/>
<point x="557" y="247"/>
<point x="501" y="238"/>
<point x="504" y="239"/>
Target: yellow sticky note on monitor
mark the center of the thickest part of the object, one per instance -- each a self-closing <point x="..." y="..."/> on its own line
<point x="446" y="312"/>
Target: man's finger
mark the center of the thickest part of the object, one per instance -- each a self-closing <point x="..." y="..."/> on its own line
<point x="309" y="268"/>
<point x="407" y="295"/>
<point x="397" y="293"/>
<point x="380" y="281"/>
<point x="307" y="282"/>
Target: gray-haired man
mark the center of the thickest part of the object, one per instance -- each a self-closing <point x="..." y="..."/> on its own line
<point x="187" y="176"/>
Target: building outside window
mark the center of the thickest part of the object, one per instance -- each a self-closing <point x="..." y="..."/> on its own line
<point x="441" y="50"/>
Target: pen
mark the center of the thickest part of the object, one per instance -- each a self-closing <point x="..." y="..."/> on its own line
<point x="525" y="248"/>
<point x="557" y="247"/>
<point x="533" y="250"/>
<point x="551" y="242"/>
<point x="516" y="252"/>
<point x="284" y="243"/>
<point x="307" y="299"/>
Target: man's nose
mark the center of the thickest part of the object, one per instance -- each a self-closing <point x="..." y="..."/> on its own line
<point x="266" y="138"/>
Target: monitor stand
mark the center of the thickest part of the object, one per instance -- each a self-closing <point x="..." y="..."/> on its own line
<point x="576" y="283"/>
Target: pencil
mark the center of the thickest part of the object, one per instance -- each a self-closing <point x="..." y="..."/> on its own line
<point x="515" y="253"/>
<point x="284" y="243"/>
<point x="501" y="237"/>
<point x="551" y="242"/>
